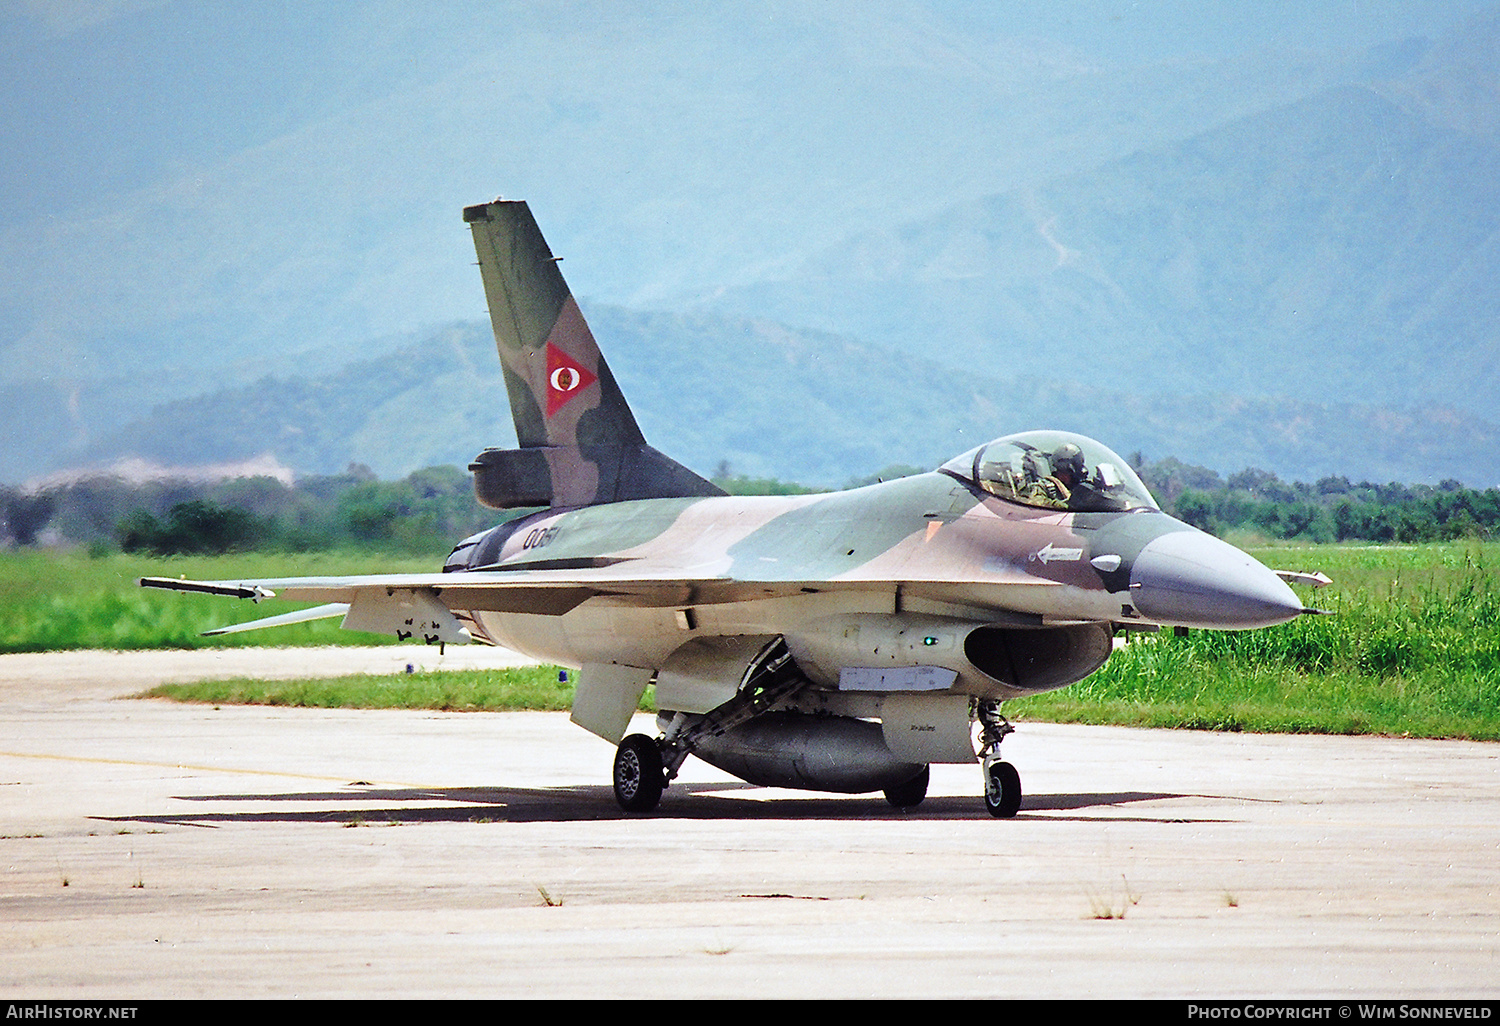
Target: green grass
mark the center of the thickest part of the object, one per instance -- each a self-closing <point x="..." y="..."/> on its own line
<point x="52" y="601"/>
<point x="1412" y="648"/>
<point x="499" y="690"/>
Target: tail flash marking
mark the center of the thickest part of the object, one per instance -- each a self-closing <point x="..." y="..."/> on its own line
<point x="566" y="378"/>
<point x="579" y="442"/>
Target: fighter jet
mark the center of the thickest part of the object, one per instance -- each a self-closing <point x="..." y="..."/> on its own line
<point x="837" y="642"/>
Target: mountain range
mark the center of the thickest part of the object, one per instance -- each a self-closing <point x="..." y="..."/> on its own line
<point x="818" y="239"/>
<point x="757" y="398"/>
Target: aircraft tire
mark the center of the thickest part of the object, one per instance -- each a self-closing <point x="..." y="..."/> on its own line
<point x="638" y="774"/>
<point x="1003" y="798"/>
<point x="910" y="794"/>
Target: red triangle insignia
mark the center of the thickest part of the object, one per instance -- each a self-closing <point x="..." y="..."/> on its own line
<point x="565" y="378"/>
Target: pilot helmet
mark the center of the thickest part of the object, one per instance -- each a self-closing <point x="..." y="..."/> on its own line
<point x="1070" y="458"/>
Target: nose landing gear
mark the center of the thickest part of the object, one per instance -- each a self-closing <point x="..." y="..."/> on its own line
<point x="1002" y="784"/>
<point x="1002" y="790"/>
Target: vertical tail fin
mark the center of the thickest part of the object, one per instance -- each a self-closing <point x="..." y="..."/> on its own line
<point x="580" y="444"/>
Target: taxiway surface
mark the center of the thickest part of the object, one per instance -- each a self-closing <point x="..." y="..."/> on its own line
<point x="156" y="850"/>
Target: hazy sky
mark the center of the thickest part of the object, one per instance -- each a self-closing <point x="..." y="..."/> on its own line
<point x="106" y="96"/>
<point x="192" y="190"/>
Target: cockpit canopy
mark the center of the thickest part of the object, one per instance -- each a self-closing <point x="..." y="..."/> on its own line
<point x="1053" y="470"/>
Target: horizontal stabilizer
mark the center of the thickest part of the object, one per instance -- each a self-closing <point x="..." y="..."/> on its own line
<point x="581" y="476"/>
<point x="297" y="616"/>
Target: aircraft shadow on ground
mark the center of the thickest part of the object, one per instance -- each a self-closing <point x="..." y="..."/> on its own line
<point x="356" y="805"/>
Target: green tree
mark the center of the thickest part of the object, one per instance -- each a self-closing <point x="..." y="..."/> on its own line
<point x="26" y="515"/>
<point x="196" y="527"/>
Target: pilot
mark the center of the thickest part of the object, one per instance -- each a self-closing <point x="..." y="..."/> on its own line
<point x="1068" y="472"/>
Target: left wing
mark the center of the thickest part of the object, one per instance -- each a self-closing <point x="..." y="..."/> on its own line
<point x="423" y="605"/>
<point x="406" y="605"/>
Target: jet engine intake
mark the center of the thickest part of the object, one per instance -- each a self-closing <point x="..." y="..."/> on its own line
<point x="1039" y="658"/>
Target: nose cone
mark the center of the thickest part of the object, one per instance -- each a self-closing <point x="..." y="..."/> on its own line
<point x="1191" y="579"/>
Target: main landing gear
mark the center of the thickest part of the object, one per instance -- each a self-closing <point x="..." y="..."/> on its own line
<point x="643" y="765"/>
<point x="1002" y="784"/>
<point x="910" y="794"/>
<point x="639" y="775"/>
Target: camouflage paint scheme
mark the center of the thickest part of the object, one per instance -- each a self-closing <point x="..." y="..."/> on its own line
<point x="838" y="641"/>
<point x="579" y="441"/>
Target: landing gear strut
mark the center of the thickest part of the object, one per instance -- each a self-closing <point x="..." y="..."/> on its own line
<point x="1002" y="784"/>
<point x="639" y="777"/>
<point x="644" y="767"/>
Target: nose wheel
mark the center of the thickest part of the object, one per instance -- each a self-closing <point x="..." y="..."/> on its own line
<point x="639" y="778"/>
<point x="1002" y="790"/>
<point x="1002" y="784"/>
